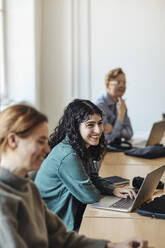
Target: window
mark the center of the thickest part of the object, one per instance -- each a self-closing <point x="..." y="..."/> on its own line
<point x="2" y="79"/>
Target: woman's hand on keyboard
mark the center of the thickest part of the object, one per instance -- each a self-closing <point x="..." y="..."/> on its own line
<point x="124" y="192"/>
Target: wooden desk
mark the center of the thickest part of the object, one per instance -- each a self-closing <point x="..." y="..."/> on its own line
<point x="120" y="229"/>
<point x="118" y="226"/>
<point x="91" y="212"/>
<point x="119" y="158"/>
<point x="127" y="171"/>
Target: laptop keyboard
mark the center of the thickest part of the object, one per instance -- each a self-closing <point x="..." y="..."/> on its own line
<point x="124" y="203"/>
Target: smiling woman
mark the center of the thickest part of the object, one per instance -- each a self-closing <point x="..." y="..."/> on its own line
<point x="22" y="126"/>
<point x="68" y="178"/>
<point x="91" y="130"/>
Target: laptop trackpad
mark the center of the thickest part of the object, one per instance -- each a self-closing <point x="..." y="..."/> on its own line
<point x="106" y="202"/>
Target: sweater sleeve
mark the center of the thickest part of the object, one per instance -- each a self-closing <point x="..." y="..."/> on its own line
<point x="74" y="176"/>
<point x="120" y="129"/>
<point x="59" y="237"/>
<point x="105" y="187"/>
<point x="53" y="233"/>
<point x="9" y="235"/>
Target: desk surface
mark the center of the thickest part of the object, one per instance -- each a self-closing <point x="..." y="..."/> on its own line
<point x="118" y="226"/>
<point x="120" y="229"/>
<point x="91" y="212"/>
<point x="119" y="158"/>
<point x="127" y="171"/>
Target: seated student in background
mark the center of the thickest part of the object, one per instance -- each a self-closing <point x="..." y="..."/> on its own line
<point x="68" y="178"/>
<point x="115" y="119"/>
<point x="25" y="221"/>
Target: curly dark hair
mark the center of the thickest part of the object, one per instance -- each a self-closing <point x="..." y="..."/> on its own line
<point x="74" y="114"/>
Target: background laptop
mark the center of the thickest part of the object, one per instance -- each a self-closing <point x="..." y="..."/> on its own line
<point x="155" y="136"/>
<point x="127" y="205"/>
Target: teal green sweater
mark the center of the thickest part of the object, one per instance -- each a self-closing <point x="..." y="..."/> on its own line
<point x="65" y="182"/>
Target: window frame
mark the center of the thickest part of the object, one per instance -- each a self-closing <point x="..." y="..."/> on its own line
<point x="3" y="89"/>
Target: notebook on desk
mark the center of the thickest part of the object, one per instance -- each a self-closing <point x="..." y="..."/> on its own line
<point x="155" y="136"/>
<point x="116" y="180"/>
<point x="127" y="205"/>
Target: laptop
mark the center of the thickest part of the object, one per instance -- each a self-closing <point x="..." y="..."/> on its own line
<point x="155" y="136"/>
<point x="126" y="204"/>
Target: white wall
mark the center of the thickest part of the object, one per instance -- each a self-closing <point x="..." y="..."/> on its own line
<point x="61" y="49"/>
<point x="20" y="50"/>
<point x="82" y="40"/>
<point x="65" y="61"/>
<point x="131" y="34"/>
<point x="56" y="58"/>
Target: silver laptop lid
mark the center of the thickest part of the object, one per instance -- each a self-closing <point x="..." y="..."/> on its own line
<point x="148" y="187"/>
<point x="156" y="133"/>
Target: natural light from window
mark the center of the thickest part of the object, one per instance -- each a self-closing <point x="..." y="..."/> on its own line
<point x="2" y="83"/>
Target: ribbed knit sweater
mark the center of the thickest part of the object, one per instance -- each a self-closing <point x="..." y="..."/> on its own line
<point x="25" y="221"/>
